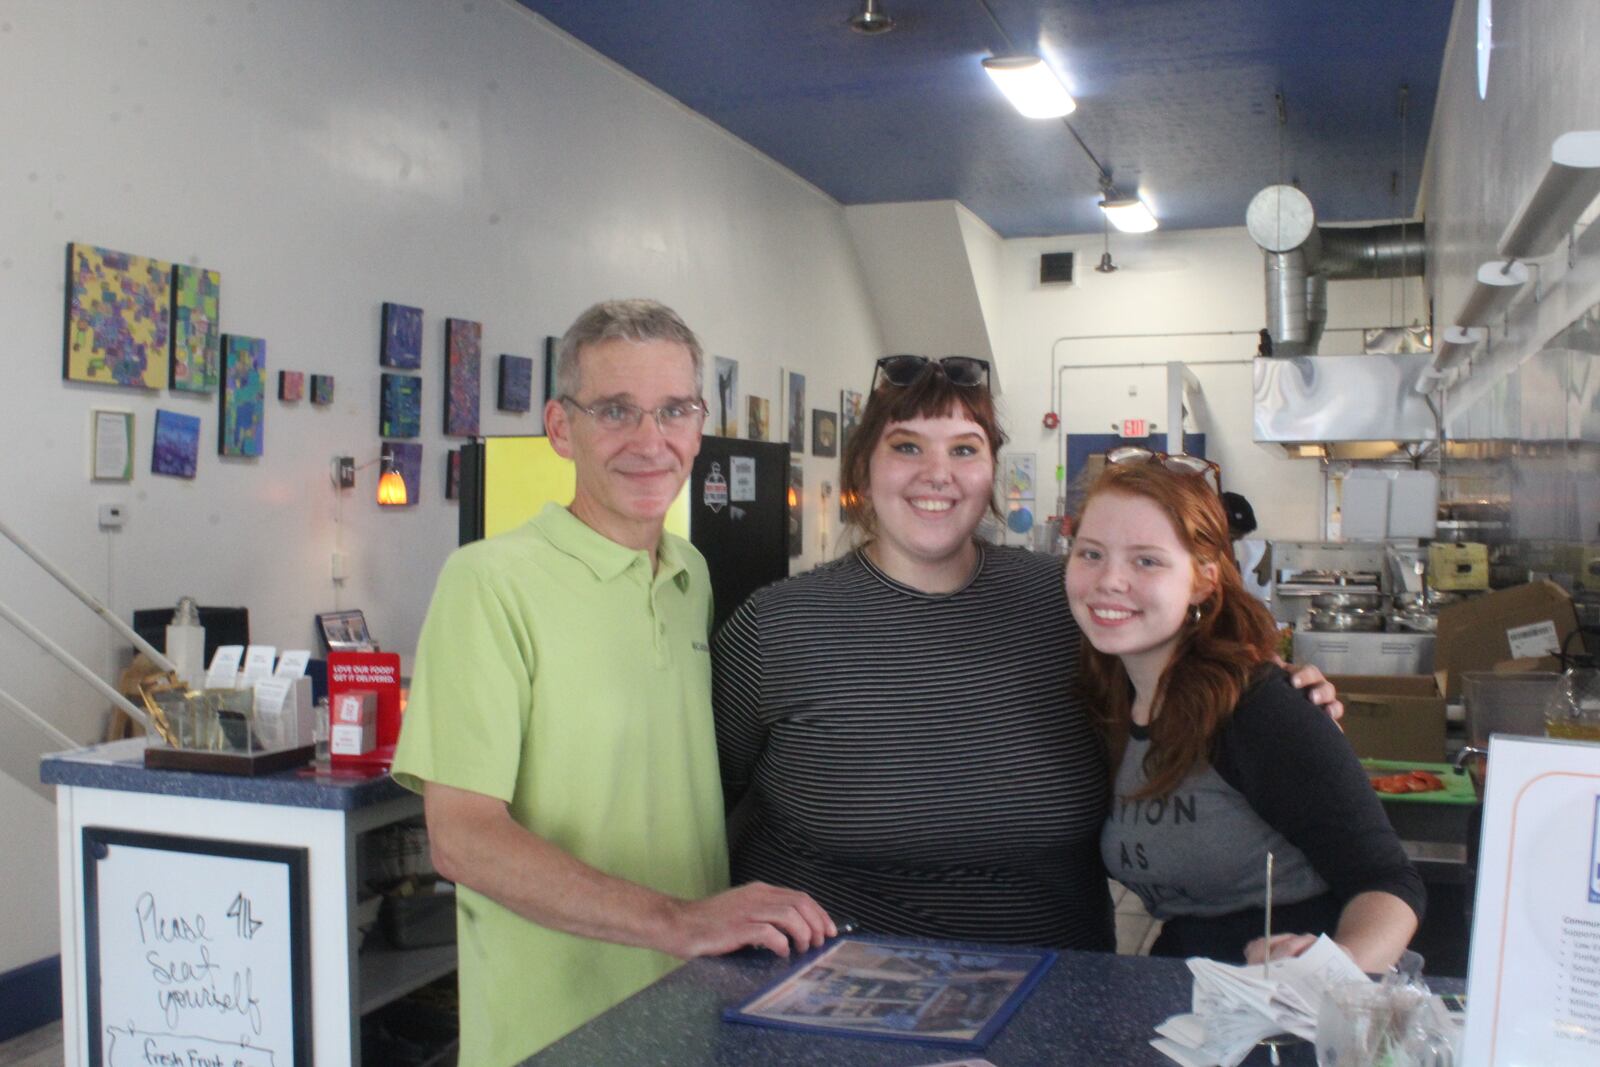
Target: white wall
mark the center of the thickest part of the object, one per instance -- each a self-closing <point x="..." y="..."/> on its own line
<point x="1182" y="285"/>
<point x="461" y="157"/>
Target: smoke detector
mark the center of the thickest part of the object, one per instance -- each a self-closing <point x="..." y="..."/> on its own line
<point x="870" y="19"/>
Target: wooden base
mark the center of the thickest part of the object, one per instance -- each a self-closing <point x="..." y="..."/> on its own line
<point x="160" y="757"/>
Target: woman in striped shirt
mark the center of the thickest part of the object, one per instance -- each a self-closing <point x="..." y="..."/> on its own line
<point x="900" y="731"/>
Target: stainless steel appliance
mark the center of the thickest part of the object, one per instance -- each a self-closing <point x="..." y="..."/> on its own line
<point x="1305" y="569"/>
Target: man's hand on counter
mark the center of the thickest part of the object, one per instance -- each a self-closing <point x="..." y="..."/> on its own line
<point x="754" y="915"/>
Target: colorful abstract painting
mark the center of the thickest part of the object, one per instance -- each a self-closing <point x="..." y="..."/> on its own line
<point x="516" y="383"/>
<point x="725" y="408"/>
<point x="452" y="475"/>
<point x="196" y="328"/>
<point x="291" y="385"/>
<point x="407" y="457"/>
<point x="463" y="376"/>
<point x="242" y="430"/>
<point x="177" y="444"/>
<point x="824" y="433"/>
<point x="400" y="407"/>
<point x="402" y="337"/>
<point x="759" y="418"/>
<point x="118" y="313"/>
<point x="322" y="389"/>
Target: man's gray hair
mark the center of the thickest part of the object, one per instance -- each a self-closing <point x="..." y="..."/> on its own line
<point x="631" y="320"/>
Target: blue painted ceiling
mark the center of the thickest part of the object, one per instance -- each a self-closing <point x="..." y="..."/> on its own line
<point x="1175" y="98"/>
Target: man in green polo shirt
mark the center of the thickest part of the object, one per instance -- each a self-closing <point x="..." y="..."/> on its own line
<point x="559" y="724"/>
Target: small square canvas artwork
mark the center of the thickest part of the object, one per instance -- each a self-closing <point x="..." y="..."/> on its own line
<point x="462" y="376"/>
<point x="824" y="433"/>
<point x="516" y="383"/>
<point x="758" y="419"/>
<point x="241" y="430"/>
<point x="119" y="309"/>
<point x="321" y="389"/>
<point x="850" y="405"/>
<point x="176" y="450"/>
<point x="452" y="475"/>
<point x="196" y="328"/>
<point x="400" y="406"/>
<point x="407" y="456"/>
<point x="402" y="337"/>
<point x="797" y="412"/>
<point x="291" y="385"/>
<point x="725" y="408"/>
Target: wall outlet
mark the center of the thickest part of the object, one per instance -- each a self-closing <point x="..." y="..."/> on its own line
<point x="341" y="566"/>
<point x="112" y="516"/>
<point x="345" y="472"/>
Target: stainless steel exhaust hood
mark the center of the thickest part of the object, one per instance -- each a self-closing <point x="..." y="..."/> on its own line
<point x="1371" y="402"/>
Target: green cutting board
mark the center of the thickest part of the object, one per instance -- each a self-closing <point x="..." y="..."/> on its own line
<point x="1457" y="787"/>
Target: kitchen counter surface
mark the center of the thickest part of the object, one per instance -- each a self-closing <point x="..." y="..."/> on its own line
<point x="1090" y="1010"/>
<point x="119" y="765"/>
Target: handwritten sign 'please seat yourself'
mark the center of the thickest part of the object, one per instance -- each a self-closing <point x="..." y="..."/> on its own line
<point x="197" y="952"/>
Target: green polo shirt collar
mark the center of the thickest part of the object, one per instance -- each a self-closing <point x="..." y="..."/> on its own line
<point x="604" y="557"/>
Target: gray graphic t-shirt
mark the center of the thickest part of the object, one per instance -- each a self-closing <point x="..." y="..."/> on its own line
<point x="1200" y="851"/>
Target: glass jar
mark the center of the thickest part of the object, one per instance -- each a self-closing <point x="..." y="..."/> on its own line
<point x="1574" y="713"/>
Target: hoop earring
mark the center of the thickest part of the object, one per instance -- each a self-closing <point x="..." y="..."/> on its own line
<point x="1194" y="614"/>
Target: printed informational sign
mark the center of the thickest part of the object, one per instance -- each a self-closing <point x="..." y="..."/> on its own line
<point x="196" y="952"/>
<point x="742" y="485"/>
<point x="1135" y="428"/>
<point x="715" y="489"/>
<point x="1533" y="982"/>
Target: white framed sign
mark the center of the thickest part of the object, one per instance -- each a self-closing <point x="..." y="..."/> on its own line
<point x="196" y="951"/>
<point x="1533" y="982"/>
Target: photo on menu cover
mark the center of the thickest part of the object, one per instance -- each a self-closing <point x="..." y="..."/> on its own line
<point x="931" y="993"/>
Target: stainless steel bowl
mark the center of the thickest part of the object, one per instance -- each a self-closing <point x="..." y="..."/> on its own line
<point x="1330" y="620"/>
<point x="1348" y="600"/>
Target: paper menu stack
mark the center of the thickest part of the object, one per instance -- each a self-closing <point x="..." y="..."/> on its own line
<point x="1235" y="1007"/>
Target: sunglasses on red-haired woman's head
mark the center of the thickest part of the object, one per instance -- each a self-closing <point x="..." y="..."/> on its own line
<point x="1177" y="462"/>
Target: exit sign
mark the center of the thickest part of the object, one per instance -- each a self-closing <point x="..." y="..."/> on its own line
<point x="1135" y="428"/>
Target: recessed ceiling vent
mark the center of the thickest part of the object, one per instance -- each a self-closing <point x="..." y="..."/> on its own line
<point x="1055" y="268"/>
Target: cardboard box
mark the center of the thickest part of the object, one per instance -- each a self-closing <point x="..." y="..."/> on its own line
<point x="1523" y="622"/>
<point x="1393" y="717"/>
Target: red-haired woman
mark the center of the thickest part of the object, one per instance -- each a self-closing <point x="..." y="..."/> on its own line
<point x="1216" y="759"/>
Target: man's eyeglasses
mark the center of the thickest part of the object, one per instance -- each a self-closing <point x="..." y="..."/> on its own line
<point x="616" y="416"/>
<point x="1177" y="462"/>
<point x="967" y="372"/>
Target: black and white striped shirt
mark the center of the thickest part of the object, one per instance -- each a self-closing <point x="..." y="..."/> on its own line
<point x="920" y="764"/>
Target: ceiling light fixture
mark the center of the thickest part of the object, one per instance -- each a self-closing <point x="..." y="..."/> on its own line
<point x="870" y="19"/>
<point x="1128" y="213"/>
<point x="1105" y="265"/>
<point x="1031" y="86"/>
<point x="1497" y="288"/>
<point x="1569" y="186"/>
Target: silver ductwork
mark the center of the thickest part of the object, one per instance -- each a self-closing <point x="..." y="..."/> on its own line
<point x="1301" y="257"/>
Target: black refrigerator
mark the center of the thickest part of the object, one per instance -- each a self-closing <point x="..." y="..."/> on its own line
<point x="739" y="516"/>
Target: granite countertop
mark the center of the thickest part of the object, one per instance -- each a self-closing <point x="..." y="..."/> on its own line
<point x="119" y="765"/>
<point x="1090" y="1010"/>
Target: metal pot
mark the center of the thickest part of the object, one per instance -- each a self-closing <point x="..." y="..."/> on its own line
<point x="1349" y="600"/>
<point x="1415" y="622"/>
<point x="1355" y="620"/>
<point x="1423" y="601"/>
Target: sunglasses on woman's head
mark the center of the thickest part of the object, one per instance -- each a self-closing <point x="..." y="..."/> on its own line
<point x="1177" y="462"/>
<point x="964" y="371"/>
